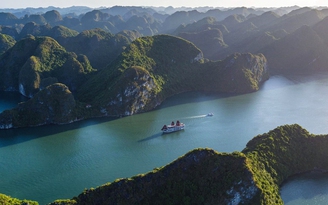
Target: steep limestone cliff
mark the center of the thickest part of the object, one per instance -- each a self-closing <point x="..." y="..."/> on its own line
<point x="135" y="91"/>
<point x="154" y="68"/>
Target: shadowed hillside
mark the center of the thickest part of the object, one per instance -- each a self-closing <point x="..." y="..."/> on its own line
<point x="99" y="46"/>
<point x="301" y="50"/>
<point x="204" y="176"/>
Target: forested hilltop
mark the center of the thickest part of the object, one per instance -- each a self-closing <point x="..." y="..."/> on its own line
<point x="205" y="176"/>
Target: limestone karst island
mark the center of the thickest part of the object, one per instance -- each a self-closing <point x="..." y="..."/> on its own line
<point x="84" y="93"/>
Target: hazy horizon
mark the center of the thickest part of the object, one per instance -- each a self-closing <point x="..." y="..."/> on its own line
<point x="15" y="4"/>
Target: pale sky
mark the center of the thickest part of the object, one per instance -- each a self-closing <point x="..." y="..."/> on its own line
<point x="174" y="3"/>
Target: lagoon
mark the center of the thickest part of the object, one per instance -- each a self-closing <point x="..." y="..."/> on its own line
<point x="55" y="162"/>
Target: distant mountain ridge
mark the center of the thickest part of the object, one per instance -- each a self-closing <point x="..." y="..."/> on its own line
<point x="146" y="20"/>
<point x="293" y="42"/>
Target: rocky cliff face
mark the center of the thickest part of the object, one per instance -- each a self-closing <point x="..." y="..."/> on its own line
<point x="250" y="70"/>
<point x="53" y="105"/>
<point x="135" y="92"/>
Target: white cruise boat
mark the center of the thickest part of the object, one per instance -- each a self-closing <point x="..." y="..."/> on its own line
<point x="173" y="127"/>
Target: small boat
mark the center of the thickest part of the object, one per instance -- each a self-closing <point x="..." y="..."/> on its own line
<point x="173" y="127"/>
<point x="210" y="114"/>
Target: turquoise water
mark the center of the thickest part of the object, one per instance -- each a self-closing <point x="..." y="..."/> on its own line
<point x="306" y="189"/>
<point x="56" y="162"/>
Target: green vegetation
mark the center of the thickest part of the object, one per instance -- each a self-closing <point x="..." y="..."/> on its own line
<point x="64" y="202"/>
<point x="199" y="177"/>
<point x="210" y="41"/>
<point x="163" y="61"/>
<point x="137" y="76"/>
<point x="6" y="42"/>
<point x="60" y="32"/>
<point x="304" y="48"/>
<point x="204" y="176"/>
<point x="164" y="66"/>
<point x="55" y="104"/>
<point x="100" y="46"/>
<point x="147" y="72"/>
<point x="281" y="153"/>
<point x="29" y="61"/>
<point x="198" y="26"/>
<point x="238" y="73"/>
<point x="7" y="200"/>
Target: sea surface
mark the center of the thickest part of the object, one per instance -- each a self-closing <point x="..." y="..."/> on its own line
<point x="59" y="162"/>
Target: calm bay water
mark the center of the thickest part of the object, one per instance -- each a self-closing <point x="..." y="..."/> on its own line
<point x="55" y="162"/>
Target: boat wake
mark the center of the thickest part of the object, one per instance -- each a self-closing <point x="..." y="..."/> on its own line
<point x="193" y="117"/>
